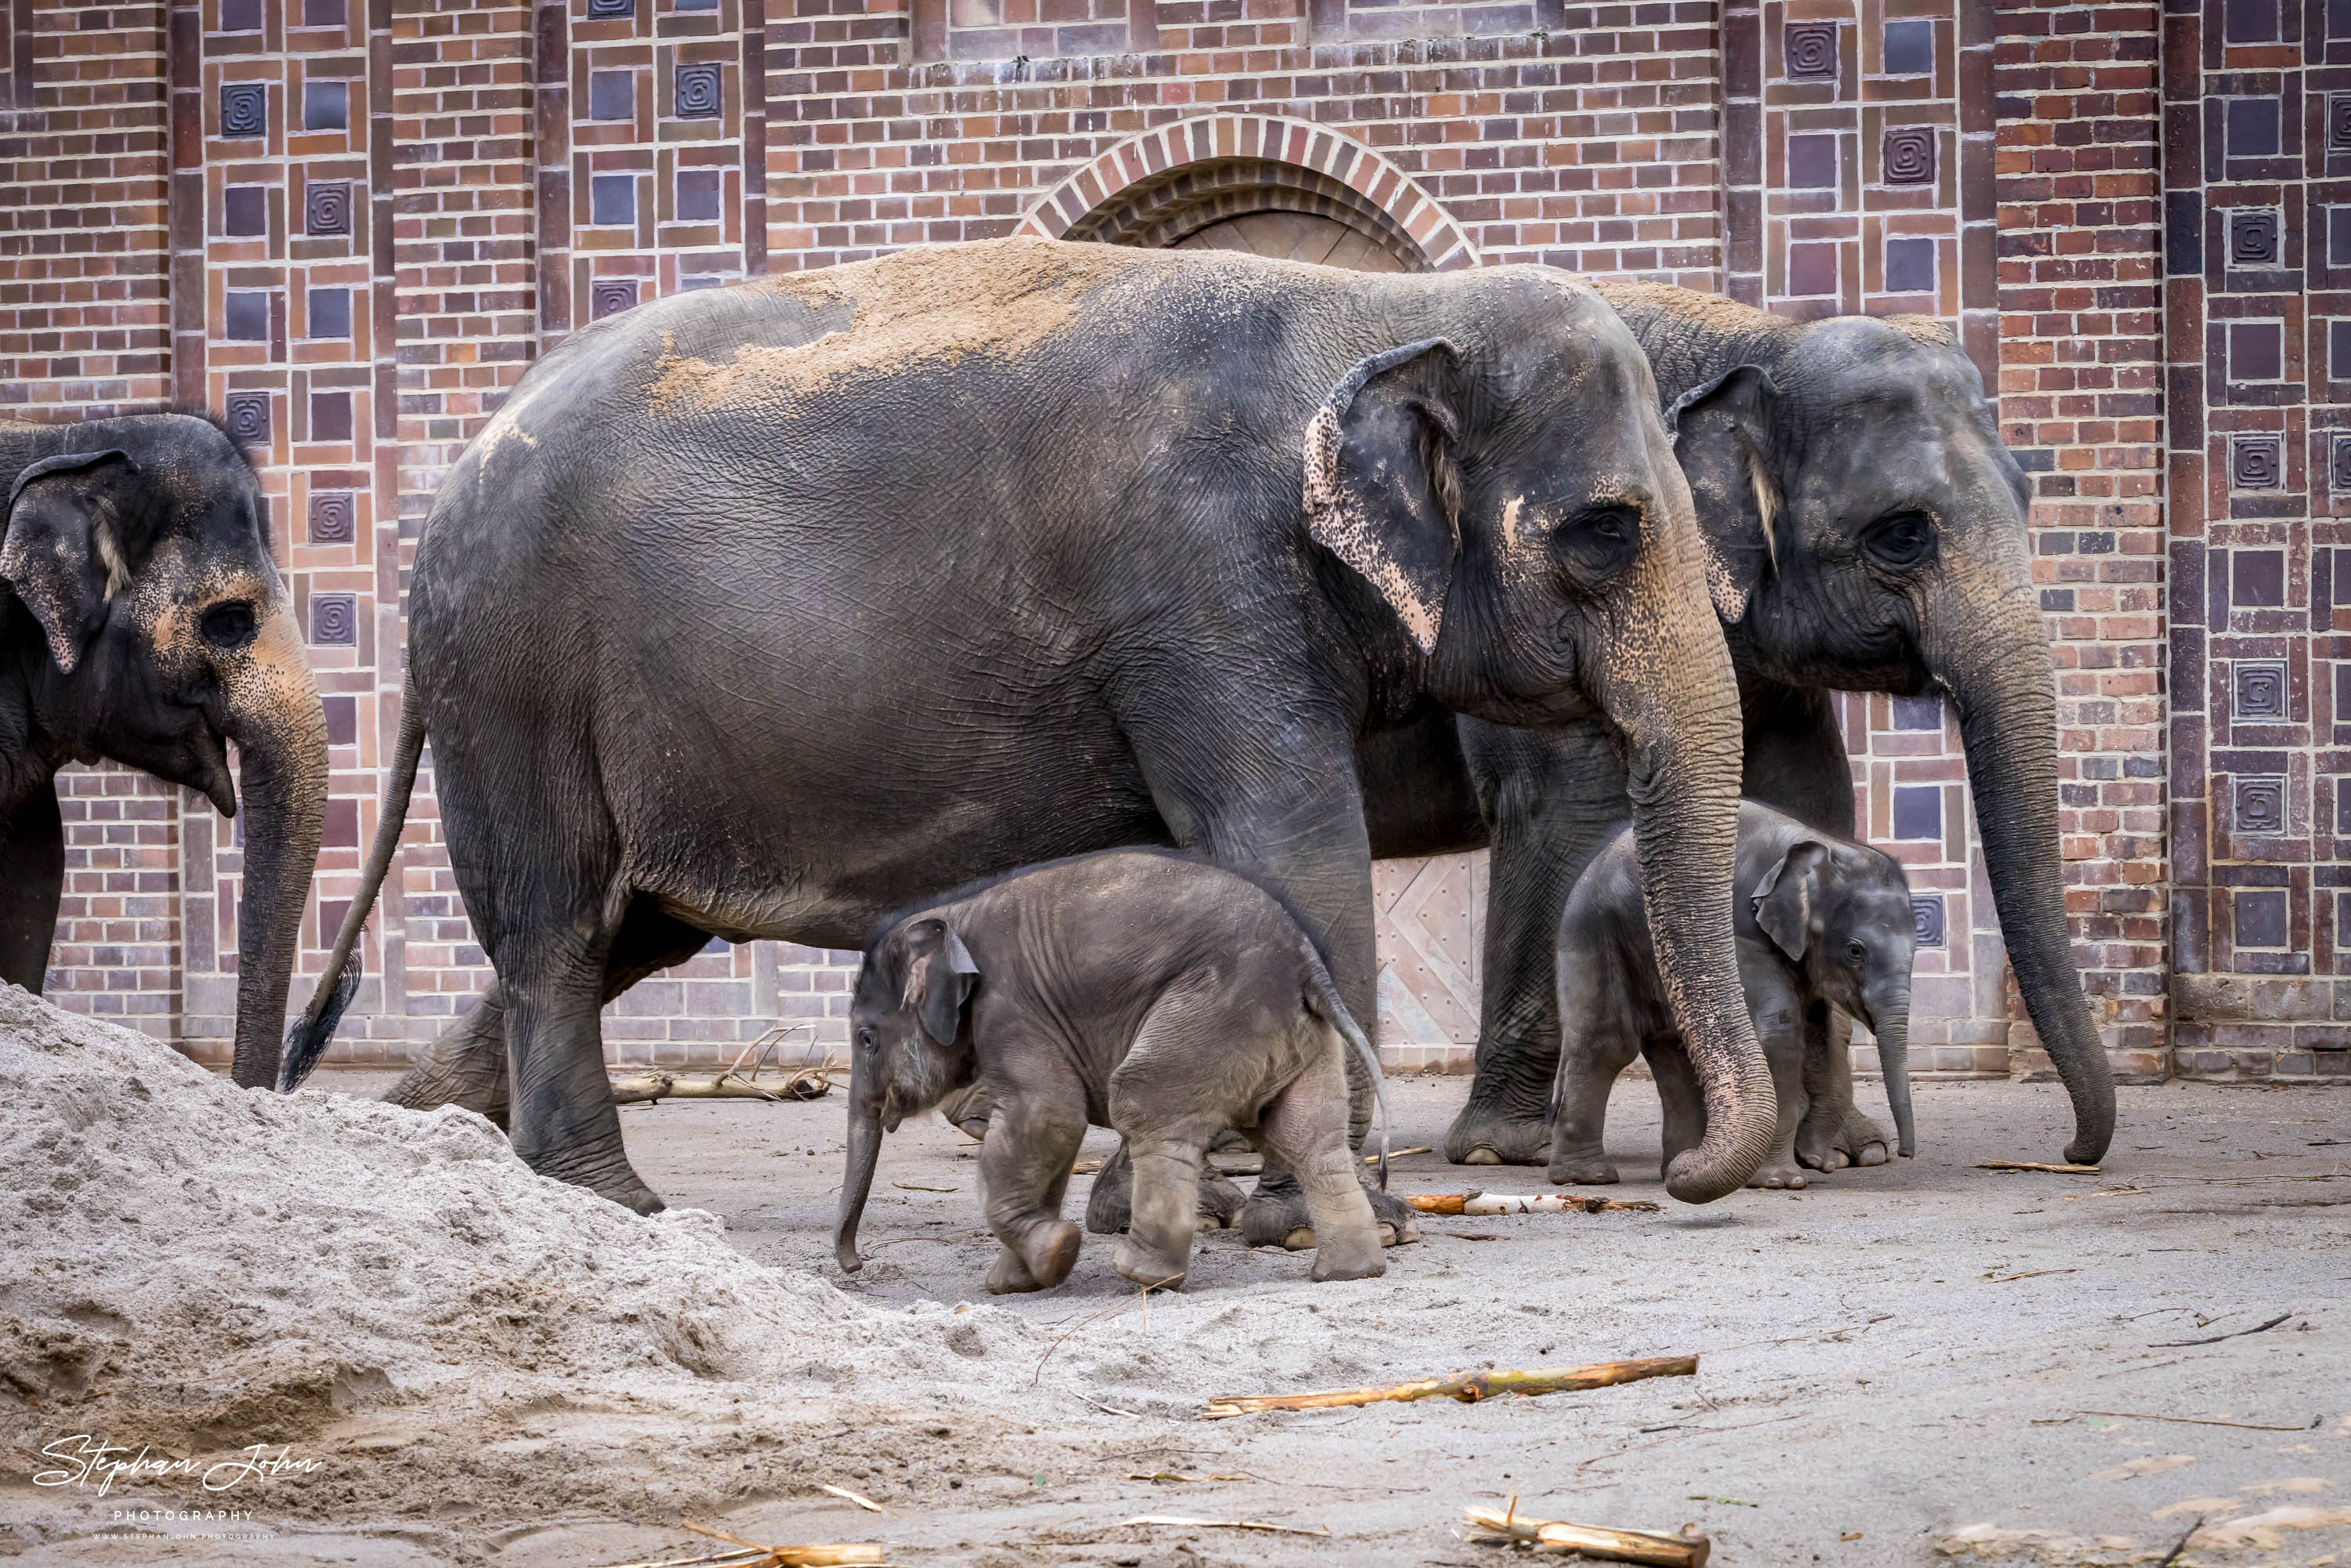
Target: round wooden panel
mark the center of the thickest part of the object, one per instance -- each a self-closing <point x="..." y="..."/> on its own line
<point x="1293" y="236"/>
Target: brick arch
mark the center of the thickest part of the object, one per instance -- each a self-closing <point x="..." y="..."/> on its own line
<point x="1135" y="189"/>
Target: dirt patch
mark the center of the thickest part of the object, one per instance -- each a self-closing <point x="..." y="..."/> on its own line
<point x="934" y="303"/>
<point x="1903" y="1365"/>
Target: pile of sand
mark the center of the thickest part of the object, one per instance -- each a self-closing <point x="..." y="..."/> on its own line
<point x="195" y="1268"/>
<point x="188" y="1261"/>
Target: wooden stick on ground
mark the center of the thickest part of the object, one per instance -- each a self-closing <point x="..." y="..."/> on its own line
<point x="1467" y="1386"/>
<point x="2029" y="1166"/>
<point x="1225" y="1524"/>
<point x="1514" y="1203"/>
<point x="1492" y="1524"/>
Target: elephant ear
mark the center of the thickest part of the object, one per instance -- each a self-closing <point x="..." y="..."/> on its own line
<point x="62" y="549"/>
<point x="1721" y="432"/>
<point x="1785" y="900"/>
<point x="940" y="975"/>
<point x="1383" y="493"/>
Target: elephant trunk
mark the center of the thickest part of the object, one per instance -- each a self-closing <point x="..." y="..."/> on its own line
<point x="1677" y="704"/>
<point x="857" y="1180"/>
<point x="1993" y="659"/>
<point x="1889" y="1019"/>
<point x="274" y="714"/>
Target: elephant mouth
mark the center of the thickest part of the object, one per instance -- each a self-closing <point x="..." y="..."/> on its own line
<point x="212" y="778"/>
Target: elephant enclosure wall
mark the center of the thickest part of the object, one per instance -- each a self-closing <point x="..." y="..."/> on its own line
<point x="349" y="225"/>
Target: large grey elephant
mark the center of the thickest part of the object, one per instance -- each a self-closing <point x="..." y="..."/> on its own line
<point x="1851" y="483"/>
<point x="141" y="620"/>
<point x="762" y="610"/>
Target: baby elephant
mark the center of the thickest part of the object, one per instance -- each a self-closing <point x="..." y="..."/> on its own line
<point x="1137" y="989"/>
<point x="1825" y="922"/>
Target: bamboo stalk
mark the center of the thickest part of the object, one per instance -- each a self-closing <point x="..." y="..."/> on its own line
<point x="2030" y="1165"/>
<point x="643" y="1088"/>
<point x="1513" y="1203"/>
<point x="1549" y="1535"/>
<point x="1467" y="1386"/>
<point x="1224" y="1524"/>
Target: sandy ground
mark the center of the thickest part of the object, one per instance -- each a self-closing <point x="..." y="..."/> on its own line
<point x="1893" y="1361"/>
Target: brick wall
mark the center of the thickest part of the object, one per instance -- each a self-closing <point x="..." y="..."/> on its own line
<point x="505" y="173"/>
<point x="2080" y="404"/>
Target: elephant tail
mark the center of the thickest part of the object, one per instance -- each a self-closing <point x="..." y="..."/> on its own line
<point x="1322" y="999"/>
<point x="307" y="1040"/>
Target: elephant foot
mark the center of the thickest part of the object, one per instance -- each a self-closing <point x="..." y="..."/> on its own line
<point x="630" y="1193"/>
<point x="1498" y="1135"/>
<point x="1277" y="1216"/>
<point x="1583" y="1170"/>
<point x="1150" y="1267"/>
<point x="1779" y="1174"/>
<point x="1050" y="1252"/>
<point x="1007" y="1276"/>
<point x="1831" y="1146"/>
<point x="1352" y="1259"/>
<point x="1220" y="1203"/>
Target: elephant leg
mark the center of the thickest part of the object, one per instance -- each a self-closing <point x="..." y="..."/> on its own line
<point x="32" y="884"/>
<point x="1594" y="1048"/>
<point x="1796" y="761"/>
<point x="468" y="1064"/>
<point x="1680" y="1094"/>
<point x="1782" y="1031"/>
<point x="1281" y="805"/>
<point x="1552" y="800"/>
<point x="1304" y="1126"/>
<point x="1111" y="1202"/>
<point x="1024" y="1170"/>
<point x="465" y="1065"/>
<point x="1835" y="1132"/>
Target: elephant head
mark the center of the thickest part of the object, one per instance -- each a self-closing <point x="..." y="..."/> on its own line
<point x="142" y="620"/>
<point x="1840" y="912"/>
<point x="910" y="1050"/>
<point x="1873" y="526"/>
<point x="1511" y="493"/>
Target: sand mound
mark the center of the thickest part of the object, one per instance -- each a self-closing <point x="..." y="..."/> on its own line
<point x="193" y="1263"/>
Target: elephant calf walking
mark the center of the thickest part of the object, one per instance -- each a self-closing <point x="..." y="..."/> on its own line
<point x="1135" y="989"/>
<point x="1825" y="922"/>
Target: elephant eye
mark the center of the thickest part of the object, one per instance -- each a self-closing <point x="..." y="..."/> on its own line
<point x="1903" y="539"/>
<point x="228" y="627"/>
<point x="1856" y="951"/>
<point x="1599" y="543"/>
<point x="865" y="1038"/>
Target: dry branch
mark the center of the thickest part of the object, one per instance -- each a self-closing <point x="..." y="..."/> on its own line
<point x="867" y="1504"/>
<point x="1493" y="1526"/>
<point x="1420" y="1149"/>
<point x="1224" y="1524"/>
<point x="1475" y="1202"/>
<point x="800" y="1083"/>
<point x="751" y="1554"/>
<point x="2029" y="1166"/>
<point x="1467" y="1386"/>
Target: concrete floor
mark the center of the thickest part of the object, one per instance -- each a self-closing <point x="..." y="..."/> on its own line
<point x="1890" y="1359"/>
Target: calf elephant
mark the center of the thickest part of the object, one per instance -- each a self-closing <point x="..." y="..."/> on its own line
<point x="1135" y="989"/>
<point x="141" y="621"/>
<point x="762" y="610"/>
<point x="1821" y="923"/>
<point x="1852" y="487"/>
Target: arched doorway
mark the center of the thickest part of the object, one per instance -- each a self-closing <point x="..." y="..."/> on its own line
<point x="1429" y="913"/>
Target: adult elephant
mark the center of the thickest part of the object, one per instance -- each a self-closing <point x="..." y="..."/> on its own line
<point x="1850" y="480"/>
<point x="142" y="620"/>
<point x="763" y="611"/>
